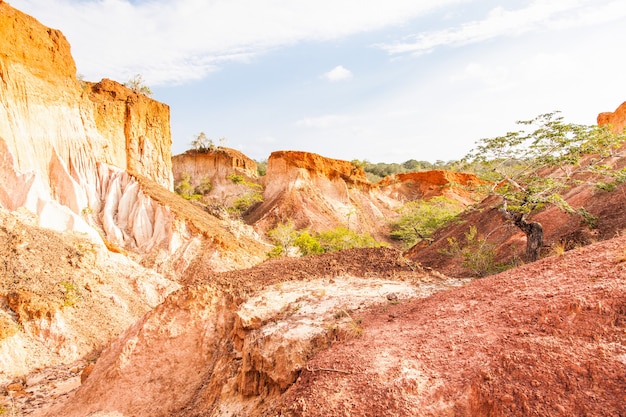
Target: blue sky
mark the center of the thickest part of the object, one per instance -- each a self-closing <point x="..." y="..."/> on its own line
<point x="384" y="81"/>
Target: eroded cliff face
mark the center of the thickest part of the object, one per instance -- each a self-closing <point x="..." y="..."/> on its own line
<point x="462" y="187"/>
<point x="616" y="119"/>
<point x="137" y="129"/>
<point x="72" y="152"/>
<point x="211" y="170"/>
<point x="320" y="193"/>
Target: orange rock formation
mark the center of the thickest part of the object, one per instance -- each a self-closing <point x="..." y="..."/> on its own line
<point x="72" y="152"/>
<point x="616" y="119"/>
<point x="320" y="193"/>
<point x="55" y="131"/>
<point x="427" y="184"/>
<point x="215" y="166"/>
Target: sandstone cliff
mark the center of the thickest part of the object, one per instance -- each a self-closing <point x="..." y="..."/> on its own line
<point x="320" y="193"/>
<point x="462" y="187"/>
<point x="616" y="119"/>
<point x="94" y="159"/>
<point x="55" y="131"/>
<point x="137" y="130"/>
<point x="81" y="155"/>
<point x="211" y="170"/>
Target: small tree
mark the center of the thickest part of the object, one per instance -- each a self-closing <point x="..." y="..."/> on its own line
<point x="531" y="170"/>
<point x="421" y="218"/>
<point x="137" y="83"/>
<point x="202" y="143"/>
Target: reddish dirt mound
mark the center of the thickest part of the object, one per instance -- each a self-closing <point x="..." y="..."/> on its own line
<point x="362" y="262"/>
<point x="545" y="339"/>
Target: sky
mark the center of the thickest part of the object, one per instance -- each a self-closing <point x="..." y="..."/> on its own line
<point x="382" y="81"/>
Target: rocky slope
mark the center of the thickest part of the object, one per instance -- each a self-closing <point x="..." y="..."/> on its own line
<point x="234" y="349"/>
<point x="320" y="193"/>
<point x="62" y="298"/>
<point x="544" y="339"/>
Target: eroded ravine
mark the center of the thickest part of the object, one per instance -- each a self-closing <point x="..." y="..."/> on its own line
<point x="205" y="352"/>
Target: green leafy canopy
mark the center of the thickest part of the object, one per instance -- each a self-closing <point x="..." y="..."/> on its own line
<point x="532" y="169"/>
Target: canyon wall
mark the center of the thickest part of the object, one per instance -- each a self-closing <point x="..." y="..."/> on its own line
<point x="320" y="193"/>
<point x="93" y="157"/>
<point x="212" y="172"/>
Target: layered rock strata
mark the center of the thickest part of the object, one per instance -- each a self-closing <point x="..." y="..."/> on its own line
<point x="320" y="193"/>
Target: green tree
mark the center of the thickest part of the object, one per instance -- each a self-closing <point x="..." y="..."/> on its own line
<point x="421" y="218"/>
<point x="137" y="83"/>
<point x="530" y="170"/>
<point x="202" y="143"/>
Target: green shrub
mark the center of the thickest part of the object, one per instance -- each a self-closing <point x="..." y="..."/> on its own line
<point x="204" y="187"/>
<point x="342" y="238"/>
<point x="420" y="219"/>
<point x="183" y="187"/>
<point x="308" y="244"/>
<point x="235" y="178"/>
<point x="246" y="201"/>
<point x="71" y="294"/>
<point x="276" y="252"/>
<point x="478" y="255"/>
<point x="285" y="237"/>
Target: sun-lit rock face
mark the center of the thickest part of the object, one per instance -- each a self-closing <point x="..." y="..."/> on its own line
<point x="57" y="133"/>
<point x="320" y="193"/>
<point x="616" y="119"/>
<point x="215" y="167"/>
<point x="137" y="129"/>
<point x="410" y="186"/>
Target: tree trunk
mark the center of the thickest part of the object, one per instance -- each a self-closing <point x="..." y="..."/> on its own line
<point x="534" y="236"/>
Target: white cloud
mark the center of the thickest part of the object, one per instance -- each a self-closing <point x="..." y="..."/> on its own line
<point x="322" y="122"/>
<point x="339" y="73"/>
<point x="485" y="74"/>
<point x="174" y="41"/>
<point x="559" y="14"/>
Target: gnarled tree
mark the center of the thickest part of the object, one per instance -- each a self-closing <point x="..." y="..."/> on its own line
<point x="530" y="170"/>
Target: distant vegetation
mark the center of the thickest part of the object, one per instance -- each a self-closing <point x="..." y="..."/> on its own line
<point x="249" y="193"/>
<point x="202" y="143"/>
<point x="261" y="167"/>
<point x="189" y="192"/>
<point x="377" y="171"/>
